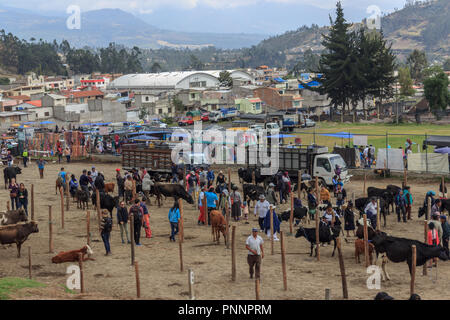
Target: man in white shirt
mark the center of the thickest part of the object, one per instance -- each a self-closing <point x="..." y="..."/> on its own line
<point x="254" y="245"/>
<point x="371" y="211"/>
<point x="94" y="174"/>
<point x="261" y="208"/>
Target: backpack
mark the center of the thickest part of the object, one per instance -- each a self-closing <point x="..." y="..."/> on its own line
<point x="107" y="227"/>
<point x="136" y="212"/>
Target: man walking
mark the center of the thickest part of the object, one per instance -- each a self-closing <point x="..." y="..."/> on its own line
<point x="84" y="181"/>
<point x="409" y="201"/>
<point x="261" y="208"/>
<point x="122" y="219"/>
<point x="105" y="229"/>
<point x="136" y="211"/>
<point x="41" y="164"/>
<point x="254" y="245"/>
<point x="25" y="157"/>
<point x="371" y="212"/>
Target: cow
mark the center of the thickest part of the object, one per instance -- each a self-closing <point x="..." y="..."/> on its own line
<point x="399" y="250"/>
<point x="171" y="190"/>
<point x="12" y="217"/>
<point x="218" y="225"/>
<point x="445" y="205"/>
<point x="17" y="234"/>
<point x="246" y="175"/>
<point x="385" y="194"/>
<point x="82" y="197"/>
<point x="359" y="249"/>
<point x="361" y="204"/>
<point x="58" y="184"/>
<point x="73" y="256"/>
<point x="9" y="173"/>
<point x="106" y="201"/>
<point x="370" y="232"/>
<point x="252" y="192"/>
<point x="109" y="187"/>
<point x="299" y="213"/>
<point x="326" y="235"/>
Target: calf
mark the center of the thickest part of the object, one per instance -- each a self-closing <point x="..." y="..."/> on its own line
<point x="12" y="217"/>
<point x="9" y="173"/>
<point x="218" y="225"/>
<point x="58" y="185"/>
<point x="299" y="213"/>
<point x="171" y="190"/>
<point x="359" y="249"/>
<point x="106" y="201"/>
<point x="326" y="235"/>
<point x="17" y="234"/>
<point x="73" y="256"/>
<point x="109" y="187"/>
<point x="445" y="205"/>
<point x="82" y="197"/>
<point x="252" y="192"/>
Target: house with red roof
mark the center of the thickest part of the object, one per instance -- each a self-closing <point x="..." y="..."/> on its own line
<point x="83" y="96"/>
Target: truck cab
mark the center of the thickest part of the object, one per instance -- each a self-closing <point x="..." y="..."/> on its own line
<point x="215" y="116"/>
<point x="272" y="125"/>
<point x="325" y="165"/>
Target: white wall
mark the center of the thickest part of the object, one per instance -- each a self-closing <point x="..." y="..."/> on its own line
<point x="210" y="81"/>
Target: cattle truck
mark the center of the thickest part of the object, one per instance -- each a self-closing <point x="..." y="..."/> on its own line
<point x="313" y="160"/>
<point x="153" y="159"/>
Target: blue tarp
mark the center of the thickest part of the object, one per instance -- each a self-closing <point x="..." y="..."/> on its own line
<point x="282" y="136"/>
<point x="47" y="122"/>
<point x="148" y="132"/>
<point x="279" y="80"/>
<point x="347" y="135"/>
<point x="144" y="137"/>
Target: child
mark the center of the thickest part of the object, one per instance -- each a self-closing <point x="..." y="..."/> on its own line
<point x="245" y="211"/>
<point x="432" y="239"/>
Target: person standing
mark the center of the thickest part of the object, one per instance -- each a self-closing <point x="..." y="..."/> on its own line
<point x="261" y="208"/>
<point x="312" y="203"/>
<point x="202" y="216"/>
<point x="325" y="195"/>
<point x="236" y="202"/>
<point x="270" y="192"/>
<point x="67" y="154"/>
<point x="122" y="220"/>
<point x="211" y="202"/>
<point x="137" y="213"/>
<point x="94" y="174"/>
<point x="371" y="211"/>
<point x="341" y="196"/>
<point x="400" y="205"/>
<point x="41" y="163"/>
<point x="437" y="225"/>
<point x="10" y="159"/>
<point x="120" y="183"/>
<point x="254" y="245"/>
<point x="349" y="219"/>
<point x="146" y="219"/>
<point x="59" y="152"/>
<point x="73" y="185"/>
<point x="13" y="194"/>
<point x="409" y="201"/>
<point x="84" y="181"/>
<point x="128" y="189"/>
<point x="22" y="195"/>
<point x="25" y="157"/>
<point x="432" y="239"/>
<point x="245" y="211"/>
<point x="105" y="231"/>
<point x="210" y="177"/>
<point x="445" y="231"/>
<point x="174" y="217"/>
<point x="276" y="224"/>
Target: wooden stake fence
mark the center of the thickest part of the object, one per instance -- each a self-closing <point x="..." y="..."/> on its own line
<point x="32" y="202"/>
<point x="271" y="231"/>
<point x="227" y="227"/>
<point x="366" y="241"/>
<point x="180" y="245"/>
<point x="80" y="263"/>
<point x="342" y="267"/>
<point x="50" y="230"/>
<point x="67" y="196"/>
<point x="291" y="217"/>
<point x="299" y="186"/>
<point x="88" y="227"/>
<point x="138" y="283"/>
<point x="62" y="206"/>
<point x="378" y="215"/>
<point x="317" y="222"/>
<point x="191" y="284"/>
<point x="233" y="253"/>
<point x="132" y="238"/>
<point x="283" y="261"/>
<point x="181" y="222"/>
<point x="424" y="272"/>
<point x="413" y="268"/>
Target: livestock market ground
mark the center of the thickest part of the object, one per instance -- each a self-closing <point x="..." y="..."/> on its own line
<point x="113" y="277"/>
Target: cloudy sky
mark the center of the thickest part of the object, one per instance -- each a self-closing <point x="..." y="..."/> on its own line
<point x="225" y="16"/>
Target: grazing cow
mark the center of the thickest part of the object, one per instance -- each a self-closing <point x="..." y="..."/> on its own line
<point x="73" y="256"/>
<point x="171" y="190"/>
<point x="218" y="225"/>
<point x="399" y="250"/>
<point x="326" y="235"/>
<point x="82" y="197"/>
<point x="12" y="217"/>
<point x="299" y="213"/>
<point x="385" y="194"/>
<point x="359" y="249"/>
<point x="109" y="187"/>
<point x="9" y="173"/>
<point x="252" y="192"/>
<point x="17" y="234"/>
<point x="106" y="201"/>
<point x="361" y="204"/>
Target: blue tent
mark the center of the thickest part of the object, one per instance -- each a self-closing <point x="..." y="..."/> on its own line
<point x="279" y="79"/>
<point x="47" y="122"/>
<point x="300" y="86"/>
<point x="144" y="137"/>
<point x="347" y="135"/>
<point x="87" y="124"/>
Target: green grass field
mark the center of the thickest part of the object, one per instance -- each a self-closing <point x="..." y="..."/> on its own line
<point x="397" y="134"/>
<point x="9" y="285"/>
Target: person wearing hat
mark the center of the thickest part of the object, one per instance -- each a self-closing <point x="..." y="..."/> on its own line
<point x="120" y="183"/>
<point x="325" y="195"/>
<point x="349" y="219"/>
<point x="409" y="201"/>
<point x="105" y="231"/>
<point x="147" y="185"/>
<point x="445" y="231"/>
<point x="328" y="216"/>
<point x="371" y="211"/>
<point x="436" y="207"/>
<point x="224" y="199"/>
<point x="221" y="181"/>
<point x="211" y="202"/>
<point x="433" y="237"/>
<point x="254" y="245"/>
<point x="261" y="208"/>
<point x="236" y="201"/>
<point x="276" y="223"/>
<point x="271" y="194"/>
<point x="400" y="205"/>
<point x="383" y="296"/>
<point x="202" y="216"/>
<point x="94" y="173"/>
<point x="128" y="185"/>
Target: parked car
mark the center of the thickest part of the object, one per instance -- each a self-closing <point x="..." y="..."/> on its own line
<point x="308" y="123"/>
<point x="205" y="116"/>
<point x="186" y="121"/>
<point x="158" y="124"/>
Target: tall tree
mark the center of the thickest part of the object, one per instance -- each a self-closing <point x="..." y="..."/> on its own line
<point x="417" y="62"/>
<point x="225" y="79"/>
<point x="405" y="81"/>
<point x="436" y="91"/>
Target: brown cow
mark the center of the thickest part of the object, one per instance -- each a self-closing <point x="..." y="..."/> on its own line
<point x="58" y="184"/>
<point x="73" y="256"/>
<point x="218" y="224"/>
<point x="17" y="234"/>
<point x="359" y="249"/>
<point x="109" y="187"/>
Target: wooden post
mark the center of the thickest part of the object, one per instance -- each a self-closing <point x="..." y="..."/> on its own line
<point x="32" y="202"/>
<point x="132" y="237"/>
<point x="257" y="288"/>
<point x="191" y="284"/>
<point x="227" y="228"/>
<point x="233" y="253"/>
<point x="366" y="241"/>
<point x="342" y="267"/>
<point x="29" y="262"/>
<point x="327" y="294"/>
<point x="67" y="196"/>
<point x="353" y="199"/>
<point x="62" y="206"/>
<point x="443" y="187"/>
<point x="229" y="180"/>
<point x="97" y="204"/>
<point x="8" y="207"/>
<point x="253" y="177"/>
<point x="271" y="231"/>
<point x="364" y="188"/>
<point x="283" y="261"/>
<point x="425" y="232"/>
<point x="205" y="209"/>
<point x="413" y="268"/>
<point x="181" y="222"/>
<point x="317" y="221"/>
<point x="405" y="176"/>
<point x="88" y="227"/>
<point x="138" y="283"/>
<point x="299" y="186"/>
<point x="378" y="215"/>
<point x="50" y="230"/>
<point x="291" y="217"/>
<point x="133" y="191"/>
<point x="80" y="263"/>
<point x="184" y="178"/>
<point x="428" y="213"/>
<point x="180" y="243"/>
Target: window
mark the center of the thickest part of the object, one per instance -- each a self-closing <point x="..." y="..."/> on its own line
<point x="324" y="163"/>
<point x="192" y="95"/>
<point x="257" y="106"/>
<point x="47" y="114"/>
<point x="169" y="110"/>
<point x="238" y="106"/>
<point x="146" y="98"/>
<point x="160" y="111"/>
<point x="82" y="100"/>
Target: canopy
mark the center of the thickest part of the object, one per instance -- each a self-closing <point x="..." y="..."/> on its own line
<point x="279" y="79"/>
<point x="29" y="122"/>
<point x="282" y="136"/>
<point x="47" y="122"/>
<point x="144" y="137"/>
<point x="87" y="124"/>
<point x="16" y="125"/>
<point x="347" y="135"/>
<point x="147" y="132"/>
<point x="442" y="150"/>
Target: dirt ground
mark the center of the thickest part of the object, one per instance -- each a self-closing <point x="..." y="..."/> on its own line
<point x="113" y="277"/>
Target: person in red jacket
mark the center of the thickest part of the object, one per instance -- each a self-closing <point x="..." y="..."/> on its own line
<point x="432" y="239"/>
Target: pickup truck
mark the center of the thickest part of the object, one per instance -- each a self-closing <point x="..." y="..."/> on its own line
<point x="186" y="121"/>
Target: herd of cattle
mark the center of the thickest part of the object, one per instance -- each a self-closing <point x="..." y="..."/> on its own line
<point x="396" y="249"/>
